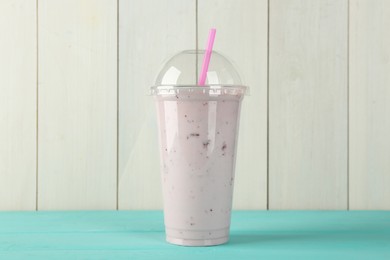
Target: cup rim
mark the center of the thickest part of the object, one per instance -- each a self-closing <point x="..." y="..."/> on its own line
<point x="213" y="88"/>
<point x="209" y="86"/>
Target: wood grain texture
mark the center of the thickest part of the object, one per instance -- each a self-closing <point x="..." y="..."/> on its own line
<point x="17" y="105"/>
<point x="242" y="37"/>
<point x="77" y="104"/>
<point x="149" y="32"/>
<point x="369" y="105"/>
<point x="308" y="104"/>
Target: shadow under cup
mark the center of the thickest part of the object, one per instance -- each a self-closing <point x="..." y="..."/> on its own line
<point x="198" y="129"/>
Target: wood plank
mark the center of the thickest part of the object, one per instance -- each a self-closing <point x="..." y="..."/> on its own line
<point x="308" y="104"/>
<point x="369" y="104"/>
<point x="18" y="84"/>
<point x="147" y="36"/>
<point x="242" y="37"/>
<point x="140" y="235"/>
<point x="77" y="104"/>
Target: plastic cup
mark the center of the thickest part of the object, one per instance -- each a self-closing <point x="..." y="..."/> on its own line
<point x="198" y="129"/>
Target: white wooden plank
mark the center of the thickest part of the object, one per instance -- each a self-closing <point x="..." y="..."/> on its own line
<point x="18" y="105"/>
<point x="77" y="104"/>
<point x="369" y="104"/>
<point x="308" y="104"/>
<point x="149" y="32"/>
<point x="242" y="37"/>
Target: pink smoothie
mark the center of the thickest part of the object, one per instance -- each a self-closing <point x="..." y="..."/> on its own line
<point x="198" y="135"/>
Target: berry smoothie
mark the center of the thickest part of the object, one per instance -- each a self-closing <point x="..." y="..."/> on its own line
<point x="198" y="135"/>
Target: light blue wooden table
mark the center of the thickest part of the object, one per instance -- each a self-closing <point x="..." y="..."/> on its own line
<point x="140" y="235"/>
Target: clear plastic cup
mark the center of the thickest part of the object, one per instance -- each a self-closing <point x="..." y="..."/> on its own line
<point x="198" y="129"/>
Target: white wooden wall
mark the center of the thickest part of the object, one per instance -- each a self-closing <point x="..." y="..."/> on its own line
<point x="308" y="104"/>
<point x="78" y="131"/>
<point x="369" y="84"/>
<point x="18" y="103"/>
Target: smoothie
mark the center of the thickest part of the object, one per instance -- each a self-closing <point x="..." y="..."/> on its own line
<point x="198" y="134"/>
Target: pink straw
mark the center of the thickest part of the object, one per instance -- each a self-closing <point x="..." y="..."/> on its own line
<point x="207" y="56"/>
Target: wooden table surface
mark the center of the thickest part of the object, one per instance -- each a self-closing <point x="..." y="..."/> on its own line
<point x="140" y="235"/>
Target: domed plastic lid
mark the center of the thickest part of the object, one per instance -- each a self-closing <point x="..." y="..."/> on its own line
<point x="183" y="69"/>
